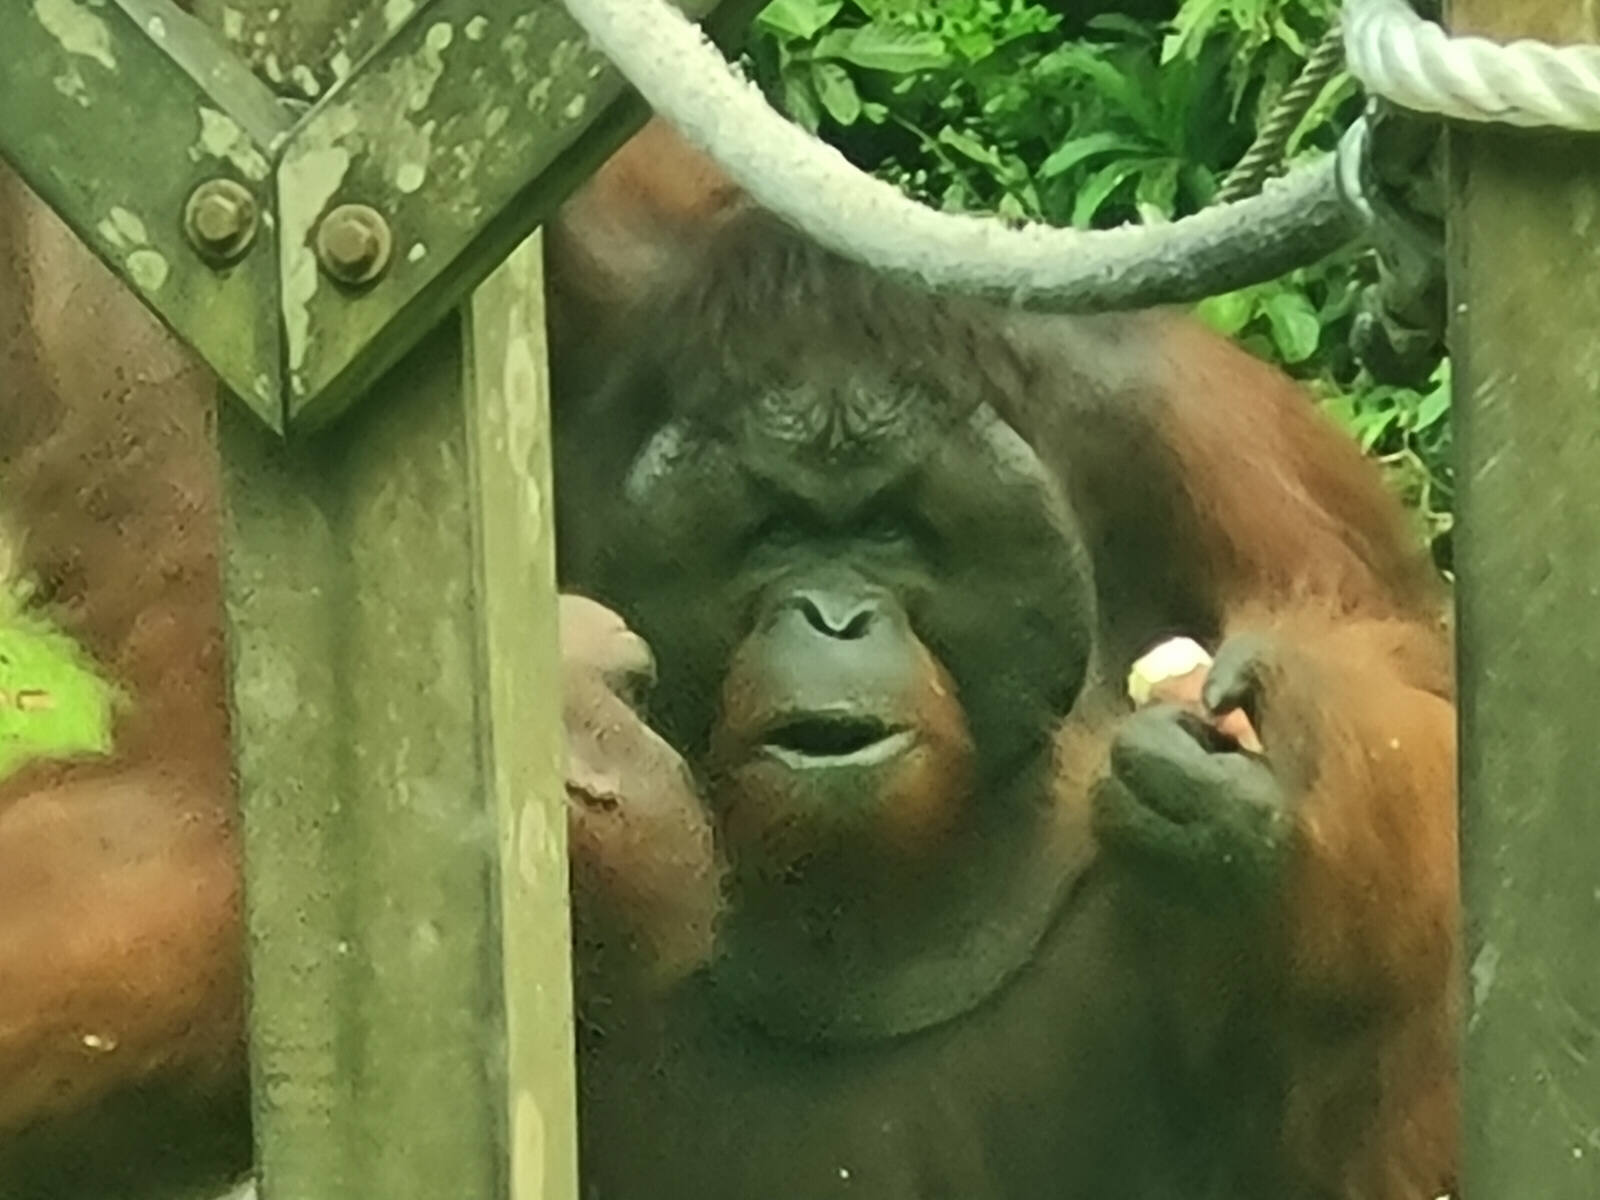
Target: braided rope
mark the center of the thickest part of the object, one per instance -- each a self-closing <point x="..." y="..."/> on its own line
<point x="813" y="187"/>
<point x="1266" y="153"/>
<point x="1415" y="64"/>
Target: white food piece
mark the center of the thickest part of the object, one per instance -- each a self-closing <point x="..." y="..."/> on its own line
<point x="1172" y="659"/>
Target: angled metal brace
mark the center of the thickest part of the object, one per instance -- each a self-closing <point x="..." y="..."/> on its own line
<point x="460" y="132"/>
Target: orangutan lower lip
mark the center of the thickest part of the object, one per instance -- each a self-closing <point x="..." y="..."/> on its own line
<point x="820" y="740"/>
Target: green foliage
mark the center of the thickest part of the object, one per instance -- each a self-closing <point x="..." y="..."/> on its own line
<point x="986" y="105"/>
<point x="52" y="700"/>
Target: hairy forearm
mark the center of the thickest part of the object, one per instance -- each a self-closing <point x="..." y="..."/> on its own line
<point x="120" y="943"/>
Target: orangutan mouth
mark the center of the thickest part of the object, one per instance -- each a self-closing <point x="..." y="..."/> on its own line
<point x="836" y="739"/>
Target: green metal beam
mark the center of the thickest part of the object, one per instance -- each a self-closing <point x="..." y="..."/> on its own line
<point x="392" y="622"/>
<point x="113" y="113"/>
<point x="1525" y="298"/>
<point x="459" y="123"/>
<point x="440" y="130"/>
<point x="522" y="735"/>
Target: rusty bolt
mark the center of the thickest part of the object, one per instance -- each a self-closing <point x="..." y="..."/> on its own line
<point x="353" y="243"/>
<point x="220" y="219"/>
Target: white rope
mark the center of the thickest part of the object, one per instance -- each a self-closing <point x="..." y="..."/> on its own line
<point x="686" y="80"/>
<point x="1391" y="50"/>
<point x="1415" y="64"/>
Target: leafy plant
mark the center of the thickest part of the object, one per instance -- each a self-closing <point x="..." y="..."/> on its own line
<point x="52" y="700"/>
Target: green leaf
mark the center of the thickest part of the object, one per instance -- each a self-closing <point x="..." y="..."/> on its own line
<point x="1343" y="411"/>
<point x="1158" y="187"/>
<point x="1012" y="207"/>
<point x="974" y="45"/>
<point x="52" y="701"/>
<point x="1433" y="407"/>
<point x="1196" y="21"/>
<point x="877" y="48"/>
<point x="1121" y="23"/>
<point x="801" y="19"/>
<point x="970" y="147"/>
<point x="1114" y="85"/>
<point x="800" y="101"/>
<point x="1229" y="312"/>
<point x="1099" y="188"/>
<point x="1295" y="329"/>
<point x="1079" y="149"/>
<point x="1287" y="35"/>
<point x="1338" y="89"/>
<point x="1373" y="426"/>
<point x="837" y="91"/>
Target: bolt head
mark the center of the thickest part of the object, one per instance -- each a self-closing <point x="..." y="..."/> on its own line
<point x="220" y="220"/>
<point x="353" y="243"/>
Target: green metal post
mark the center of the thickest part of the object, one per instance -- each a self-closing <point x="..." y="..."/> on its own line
<point x="1525" y="284"/>
<point x="391" y="600"/>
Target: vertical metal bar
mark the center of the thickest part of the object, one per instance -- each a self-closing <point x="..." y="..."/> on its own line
<point x="394" y="657"/>
<point x="392" y="612"/>
<point x="506" y="372"/>
<point x="1525" y="285"/>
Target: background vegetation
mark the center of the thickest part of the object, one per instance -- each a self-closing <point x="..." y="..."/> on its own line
<point x="1022" y="108"/>
<point x="52" y="701"/>
<point x="1012" y="107"/>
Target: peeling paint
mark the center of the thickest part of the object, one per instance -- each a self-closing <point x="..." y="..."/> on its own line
<point x="432" y="65"/>
<point x="477" y="27"/>
<point x="71" y="85"/>
<point x="1584" y="212"/>
<point x="534" y="847"/>
<point x="522" y="386"/>
<point x="306" y="81"/>
<point x="417" y="253"/>
<point x="307" y="180"/>
<point x="527" y="1146"/>
<point x="515" y="48"/>
<point x="77" y="30"/>
<point x="372" y="119"/>
<point x="564" y="57"/>
<point x="396" y="11"/>
<point x="496" y="120"/>
<point x="340" y="65"/>
<point x="1484" y="969"/>
<point x="232" y="24"/>
<point x="148" y="269"/>
<point x="408" y="177"/>
<point x="221" y="137"/>
<point x="440" y="35"/>
<point x="575" y="106"/>
<point x="123" y="229"/>
<point x="539" y="96"/>
<point x="467" y="156"/>
<point x="272" y="690"/>
<point x="156" y="28"/>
